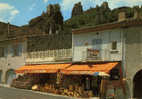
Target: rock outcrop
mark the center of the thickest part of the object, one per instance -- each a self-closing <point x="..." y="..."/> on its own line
<point x="50" y="21"/>
<point x="105" y="5"/>
<point x="100" y="15"/>
<point x="77" y="9"/>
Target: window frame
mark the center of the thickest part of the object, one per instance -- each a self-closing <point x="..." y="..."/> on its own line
<point x="114" y="45"/>
<point x="17" y="50"/>
<point x="1" y="52"/>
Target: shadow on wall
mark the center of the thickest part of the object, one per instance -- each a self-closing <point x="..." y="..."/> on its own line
<point x="10" y="75"/>
<point x="137" y="85"/>
<point x="127" y="86"/>
<point x="0" y="76"/>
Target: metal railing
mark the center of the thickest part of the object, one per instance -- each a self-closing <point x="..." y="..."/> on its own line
<point x="49" y="56"/>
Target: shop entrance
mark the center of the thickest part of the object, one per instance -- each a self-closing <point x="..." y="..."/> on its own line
<point x="137" y="85"/>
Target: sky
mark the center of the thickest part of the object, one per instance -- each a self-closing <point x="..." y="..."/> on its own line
<point x="20" y="12"/>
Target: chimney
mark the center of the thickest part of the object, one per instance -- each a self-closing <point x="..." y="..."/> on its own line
<point x="121" y="16"/>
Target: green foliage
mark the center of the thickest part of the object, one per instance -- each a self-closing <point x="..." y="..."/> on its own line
<point x="51" y="20"/>
<point x="99" y="15"/>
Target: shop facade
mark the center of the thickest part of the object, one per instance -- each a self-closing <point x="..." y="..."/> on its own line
<point x="119" y="41"/>
<point x="75" y="80"/>
<point x="106" y="62"/>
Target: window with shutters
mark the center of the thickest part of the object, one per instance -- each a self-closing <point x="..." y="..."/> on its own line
<point x="1" y="52"/>
<point x="16" y="50"/>
<point x="114" y="45"/>
<point x="5" y="51"/>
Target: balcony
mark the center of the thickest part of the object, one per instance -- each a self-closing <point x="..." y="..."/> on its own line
<point x="93" y="54"/>
<point x="96" y="55"/>
<point x="49" y="56"/>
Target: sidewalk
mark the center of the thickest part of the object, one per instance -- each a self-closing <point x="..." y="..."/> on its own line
<point x="4" y="85"/>
<point x="44" y="93"/>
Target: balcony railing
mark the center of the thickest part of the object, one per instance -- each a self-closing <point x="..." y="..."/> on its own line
<point x="96" y="55"/>
<point x="93" y="54"/>
<point x="60" y="55"/>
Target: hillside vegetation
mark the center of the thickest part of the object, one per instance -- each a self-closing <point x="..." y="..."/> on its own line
<point x="51" y="21"/>
<point x="98" y="15"/>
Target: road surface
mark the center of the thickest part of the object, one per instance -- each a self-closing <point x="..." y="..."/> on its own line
<point x="12" y="93"/>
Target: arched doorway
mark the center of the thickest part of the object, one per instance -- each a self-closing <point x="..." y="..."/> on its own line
<point x="137" y="85"/>
<point x="10" y="75"/>
<point x="0" y="76"/>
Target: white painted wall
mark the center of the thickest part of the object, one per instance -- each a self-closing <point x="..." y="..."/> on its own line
<point x="10" y="62"/>
<point x="80" y="47"/>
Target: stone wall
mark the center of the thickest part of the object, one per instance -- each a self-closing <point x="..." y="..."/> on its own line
<point x="49" y="42"/>
<point x="49" y="48"/>
<point x="133" y="57"/>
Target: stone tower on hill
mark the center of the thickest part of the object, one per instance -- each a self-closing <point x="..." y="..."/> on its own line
<point x="105" y="5"/>
<point x="77" y="9"/>
<point x="49" y="22"/>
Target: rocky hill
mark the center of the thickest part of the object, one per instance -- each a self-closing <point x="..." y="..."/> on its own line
<point x="77" y="9"/>
<point x="46" y="31"/>
<point x="98" y="15"/>
<point x="50" y="22"/>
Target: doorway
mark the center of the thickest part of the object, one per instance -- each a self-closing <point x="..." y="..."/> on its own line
<point x="10" y="75"/>
<point x="137" y="85"/>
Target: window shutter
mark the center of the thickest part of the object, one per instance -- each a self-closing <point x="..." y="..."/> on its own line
<point x="11" y="50"/>
<point x="5" y="51"/>
<point x="20" y="49"/>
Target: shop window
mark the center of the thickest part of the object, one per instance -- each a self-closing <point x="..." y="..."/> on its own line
<point x="114" y="45"/>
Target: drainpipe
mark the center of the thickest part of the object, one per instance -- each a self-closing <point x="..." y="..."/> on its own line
<point x="72" y="49"/>
<point x="123" y="53"/>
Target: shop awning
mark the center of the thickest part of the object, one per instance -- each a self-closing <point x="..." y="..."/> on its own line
<point x="89" y="69"/>
<point x="50" y="68"/>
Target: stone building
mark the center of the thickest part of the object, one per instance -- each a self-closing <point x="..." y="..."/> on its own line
<point x="114" y="42"/>
<point x="34" y="44"/>
<point x="20" y="50"/>
<point x="12" y="53"/>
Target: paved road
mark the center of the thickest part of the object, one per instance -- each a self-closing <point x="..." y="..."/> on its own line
<point x="12" y="93"/>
